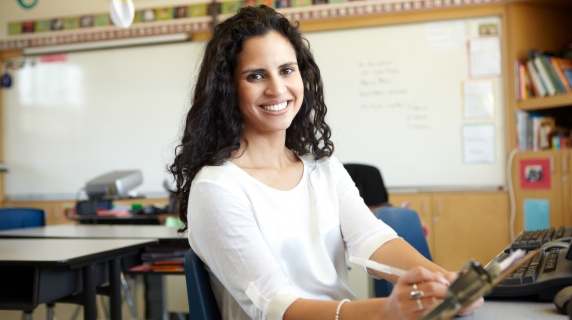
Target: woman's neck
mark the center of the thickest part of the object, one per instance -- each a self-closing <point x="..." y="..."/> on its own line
<point x="270" y="162"/>
<point x="268" y="151"/>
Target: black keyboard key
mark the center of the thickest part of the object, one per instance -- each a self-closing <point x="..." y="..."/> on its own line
<point x="551" y="260"/>
<point x="548" y="236"/>
<point x="519" y="242"/>
<point x="514" y="278"/>
<point x="530" y="275"/>
<point x="560" y="232"/>
<point x="535" y="261"/>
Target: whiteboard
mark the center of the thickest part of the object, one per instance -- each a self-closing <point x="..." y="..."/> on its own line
<point x="394" y="97"/>
<point x="66" y="123"/>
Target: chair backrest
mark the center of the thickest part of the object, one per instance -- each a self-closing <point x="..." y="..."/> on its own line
<point x="407" y="224"/>
<point x="369" y="182"/>
<point x="16" y="218"/>
<point x="202" y="303"/>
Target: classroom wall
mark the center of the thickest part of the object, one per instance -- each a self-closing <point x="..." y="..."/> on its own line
<point x="362" y="36"/>
<point x="11" y="11"/>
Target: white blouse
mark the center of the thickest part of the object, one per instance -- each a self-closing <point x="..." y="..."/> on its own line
<point x="265" y="248"/>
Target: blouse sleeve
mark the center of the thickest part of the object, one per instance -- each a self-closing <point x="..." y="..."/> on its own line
<point x="363" y="233"/>
<point x="224" y="234"/>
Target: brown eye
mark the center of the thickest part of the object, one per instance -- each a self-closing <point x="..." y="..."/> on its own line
<point x="287" y="70"/>
<point x="254" y="77"/>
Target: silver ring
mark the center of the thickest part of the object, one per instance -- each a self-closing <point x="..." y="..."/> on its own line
<point x="416" y="293"/>
<point x="420" y="304"/>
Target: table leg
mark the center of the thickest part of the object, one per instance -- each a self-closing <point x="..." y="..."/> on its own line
<point x="89" y="303"/>
<point x="155" y="306"/>
<point x="114" y="289"/>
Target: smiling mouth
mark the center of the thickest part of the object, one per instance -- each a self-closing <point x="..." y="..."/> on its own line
<point x="275" y="107"/>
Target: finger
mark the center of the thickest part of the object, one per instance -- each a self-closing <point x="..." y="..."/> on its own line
<point x="431" y="289"/>
<point x="471" y="308"/>
<point x="425" y="295"/>
<point x="451" y="276"/>
<point x="422" y="304"/>
<point x="420" y="274"/>
<point x="419" y="306"/>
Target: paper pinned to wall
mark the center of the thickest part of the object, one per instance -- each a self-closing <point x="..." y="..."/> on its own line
<point x="478" y="143"/>
<point x="479" y="99"/>
<point x="445" y="36"/>
<point x="536" y="214"/>
<point x="485" y="57"/>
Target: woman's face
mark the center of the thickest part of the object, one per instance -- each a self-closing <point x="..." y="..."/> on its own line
<point x="269" y="84"/>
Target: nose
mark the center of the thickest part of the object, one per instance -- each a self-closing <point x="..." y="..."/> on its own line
<point x="275" y="86"/>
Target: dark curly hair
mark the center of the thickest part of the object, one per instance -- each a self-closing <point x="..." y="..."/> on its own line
<point x="214" y="126"/>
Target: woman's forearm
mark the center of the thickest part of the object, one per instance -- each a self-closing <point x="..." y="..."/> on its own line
<point x="408" y="258"/>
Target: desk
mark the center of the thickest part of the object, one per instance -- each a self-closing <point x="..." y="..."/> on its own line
<point x="36" y="271"/>
<point x="162" y="233"/>
<point x="516" y="310"/>
<point x="167" y="238"/>
<point x="140" y="219"/>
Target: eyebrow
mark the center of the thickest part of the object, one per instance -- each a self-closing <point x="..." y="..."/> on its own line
<point x="262" y="69"/>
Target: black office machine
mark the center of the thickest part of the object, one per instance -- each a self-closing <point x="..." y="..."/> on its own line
<point x="103" y="189"/>
<point x="547" y="273"/>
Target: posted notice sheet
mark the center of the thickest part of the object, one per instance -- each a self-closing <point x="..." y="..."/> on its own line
<point x="478" y="99"/>
<point x="478" y="143"/>
<point x="485" y="57"/>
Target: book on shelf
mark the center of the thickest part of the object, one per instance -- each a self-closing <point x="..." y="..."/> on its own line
<point x="542" y="128"/>
<point x="524" y="88"/>
<point x="565" y="85"/>
<point x="528" y="90"/>
<point x="537" y="85"/>
<point x="564" y="66"/>
<point x="553" y="74"/>
<point x="517" y="83"/>
<point x="523" y="136"/>
<point x="545" y="76"/>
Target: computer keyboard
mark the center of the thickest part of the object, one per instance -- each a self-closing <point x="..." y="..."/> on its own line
<point x="546" y="273"/>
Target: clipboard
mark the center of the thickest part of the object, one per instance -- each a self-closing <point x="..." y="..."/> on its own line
<point x="474" y="281"/>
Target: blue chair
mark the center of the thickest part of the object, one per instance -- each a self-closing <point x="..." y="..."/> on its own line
<point x="202" y="303"/>
<point x="16" y="218"/>
<point x="407" y="224"/>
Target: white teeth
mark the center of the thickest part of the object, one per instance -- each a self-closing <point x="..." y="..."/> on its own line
<point x="276" y="107"/>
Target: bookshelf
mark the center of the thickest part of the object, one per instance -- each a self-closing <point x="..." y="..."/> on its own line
<point x="532" y="104"/>
<point x="543" y="25"/>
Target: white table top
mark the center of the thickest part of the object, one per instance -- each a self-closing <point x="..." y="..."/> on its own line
<point x="90" y="231"/>
<point x="516" y="310"/>
<point x="42" y="252"/>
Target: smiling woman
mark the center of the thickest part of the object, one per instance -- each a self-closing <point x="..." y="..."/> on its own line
<point x="269" y="210"/>
<point x="269" y="84"/>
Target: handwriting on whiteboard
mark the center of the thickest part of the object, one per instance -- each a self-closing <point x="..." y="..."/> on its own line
<point x="380" y="89"/>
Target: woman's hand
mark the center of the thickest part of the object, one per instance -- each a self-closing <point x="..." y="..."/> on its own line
<point x="414" y="292"/>
<point x="471" y="308"/>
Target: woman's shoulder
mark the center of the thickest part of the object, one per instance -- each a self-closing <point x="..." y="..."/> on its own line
<point x="224" y="173"/>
